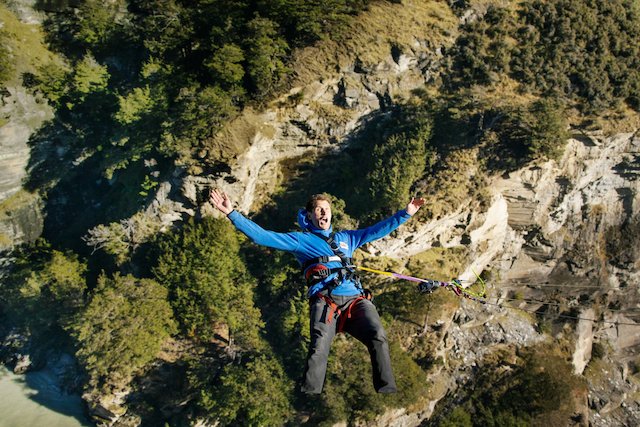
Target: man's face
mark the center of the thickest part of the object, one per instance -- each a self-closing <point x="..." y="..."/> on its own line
<point x="320" y="216"/>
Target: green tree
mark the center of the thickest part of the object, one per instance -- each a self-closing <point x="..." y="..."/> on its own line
<point x="122" y="328"/>
<point x="200" y="113"/>
<point x="44" y="289"/>
<point x="254" y="393"/>
<point x="134" y="105"/>
<point x="53" y="81"/>
<point x="89" y="76"/>
<point x="265" y="52"/>
<point x="520" y="135"/>
<point x="208" y="283"/>
<point x="396" y="162"/>
<point x="97" y="20"/>
<point x="226" y="65"/>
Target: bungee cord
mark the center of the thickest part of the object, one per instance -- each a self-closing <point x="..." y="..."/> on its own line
<point x="428" y="286"/>
<point x="558" y="304"/>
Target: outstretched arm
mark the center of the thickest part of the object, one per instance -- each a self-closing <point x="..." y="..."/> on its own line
<point x="386" y="226"/>
<point x="283" y="241"/>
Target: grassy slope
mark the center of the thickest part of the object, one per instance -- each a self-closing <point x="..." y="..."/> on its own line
<point x="26" y="42"/>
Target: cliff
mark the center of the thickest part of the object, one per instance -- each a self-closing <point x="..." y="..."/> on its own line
<point x="556" y="240"/>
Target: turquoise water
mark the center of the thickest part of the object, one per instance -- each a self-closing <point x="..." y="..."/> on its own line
<point x="34" y="400"/>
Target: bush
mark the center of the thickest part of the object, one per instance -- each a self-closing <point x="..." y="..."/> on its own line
<point x="255" y="392"/>
<point x="44" y="289"/>
<point x="122" y="328"/>
<point x="266" y="52"/>
<point x="538" y="390"/>
<point x="584" y="50"/>
<point x="209" y="286"/>
<point x="520" y="135"/>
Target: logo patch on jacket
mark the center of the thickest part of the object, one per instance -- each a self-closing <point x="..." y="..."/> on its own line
<point x="344" y="245"/>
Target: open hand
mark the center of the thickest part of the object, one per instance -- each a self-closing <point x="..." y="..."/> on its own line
<point x="221" y="201"/>
<point x="414" y="205"/>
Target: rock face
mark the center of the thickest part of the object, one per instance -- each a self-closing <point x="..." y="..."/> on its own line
<point x="544" y="233"/>
<point x="25" y="114"/>
<point x="21" y="221"/>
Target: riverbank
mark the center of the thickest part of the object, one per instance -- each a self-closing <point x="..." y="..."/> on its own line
<point x="35" y="399"/>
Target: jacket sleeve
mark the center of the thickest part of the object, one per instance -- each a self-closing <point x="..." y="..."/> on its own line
<point x="282" y="241"/>
<point x="379" y="230"/>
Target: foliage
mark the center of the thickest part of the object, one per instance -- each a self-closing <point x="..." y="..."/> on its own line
<point x="391" y="157"/>
<point x="352" y="396"/>
<point x="255" y="392"/>
<point x="538" y="390"/>
<point x="482" y="52"/>
<point x="134" y="105"/>
<point x="44" y="288"/>
<point x="282" y="291"/>
<point x="122" y="328"/>
<point x="52" y="80"/>
<point x="97" y="21"/>
<point x="306" y="21"/>
<point x="265" y="55"/>
<point x="621" y="242"/>
<point x="6" y="64"/>
<point x="520" y="135"/>
<point x="459" y="417"/>
<point x="89" y="76"/>
<point x="583" y="50"/>
<point x="200" y="112"/>
<point x="121" y="239"/>
<point x="588" y="48"/>
<point x="208" y="283"/>
<point x="226" y="65"/>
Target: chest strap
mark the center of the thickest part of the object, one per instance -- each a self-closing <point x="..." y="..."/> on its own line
<point x="324" y="259"/>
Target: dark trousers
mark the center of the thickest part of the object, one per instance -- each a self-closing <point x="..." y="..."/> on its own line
<point x="364" y="325"/>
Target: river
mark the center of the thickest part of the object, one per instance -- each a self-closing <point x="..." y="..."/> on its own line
<point x="34" y="400"/>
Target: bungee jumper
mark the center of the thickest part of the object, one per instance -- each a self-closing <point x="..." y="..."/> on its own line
<point x="337" y="300"/>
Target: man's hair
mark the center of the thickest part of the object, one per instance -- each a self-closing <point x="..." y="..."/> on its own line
<point x="313" y="200"/>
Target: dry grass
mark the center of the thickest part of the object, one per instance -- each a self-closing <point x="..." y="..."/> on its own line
<point x="14" y="203"/>
<point x="370" y="36"/>
<point x="237" y="136"/>
<point x="26" y="44"/>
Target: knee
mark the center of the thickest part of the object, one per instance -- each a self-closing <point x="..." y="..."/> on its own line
<point x="378" y="334"/>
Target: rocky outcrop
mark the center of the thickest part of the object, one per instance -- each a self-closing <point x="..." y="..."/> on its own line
<point x="25" y="113"/>
<point x="21" y="220"/>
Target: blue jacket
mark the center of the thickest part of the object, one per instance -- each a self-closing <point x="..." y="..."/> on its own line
<point x="306" y="246"/>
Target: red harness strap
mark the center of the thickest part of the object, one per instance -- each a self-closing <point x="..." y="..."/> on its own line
<point x="333" y="308"/>
<point x="343" y="318"/>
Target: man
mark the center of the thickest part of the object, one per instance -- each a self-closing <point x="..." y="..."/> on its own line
<point x="337" y="300"/>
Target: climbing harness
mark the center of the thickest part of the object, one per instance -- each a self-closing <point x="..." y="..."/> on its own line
<point x="333" y="311"/>
<point x="315" y="270"/>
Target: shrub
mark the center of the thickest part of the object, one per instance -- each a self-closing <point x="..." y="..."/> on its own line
<point x="255" y="392"/>
<point x="209" y="286"/>
<point x="44" y="289"/>
<point x="122" y="328"/>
